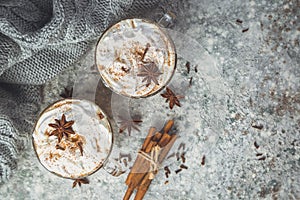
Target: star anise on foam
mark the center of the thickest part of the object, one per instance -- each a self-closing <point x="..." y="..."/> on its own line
<point x="150" y="72"/>
<point x="172" y="98"/>
<point x="129" y="124"/>
<point x="62" y="128"/>
<point x="80" y="181"/>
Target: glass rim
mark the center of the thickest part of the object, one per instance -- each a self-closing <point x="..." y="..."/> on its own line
<point x="99" y="166"/>
<point x="169" y="40"/>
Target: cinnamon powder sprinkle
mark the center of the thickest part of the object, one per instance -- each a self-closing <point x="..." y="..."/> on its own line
<point x="239" y="21"/>
<point x="182" y="166"/>
<point x="59" y="147"/>
<point x="125" y="69"/>
<point x="203" y="160"/>
<point x="177" y="156"/>
<point x="259" y="127"/>
<point x="191" y="82"/>
<point x="245" y="30"/>
<point x="79" y="145"/>
<point x="167" y="175"/>
<point x="188" y="66"/>
<point x="182" y="145"/>
<point x="167" y="171"/>
<point x="182" y="157"/>
<point x="262" y="158"/>
<point x="172" y="155"/>
<point x="166" y="168"/>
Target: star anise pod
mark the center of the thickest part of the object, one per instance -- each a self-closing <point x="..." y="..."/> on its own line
<point x="129" y="124"/>
<point x="172" y="98"/>
<point x="150" y="72"/>
<point x="62" y="128"/>
<point x="80" y="181"/>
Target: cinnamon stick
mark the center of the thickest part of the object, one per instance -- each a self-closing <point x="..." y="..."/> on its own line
<point x="137" y="171"/>
<point x="157" y="137"/>
<point x="129" y="181"/>
<point x="148" y="138"/>
<point x="164" y="140"/>
<point x="142" y="189"/>
<point x="164" y="152"/>
<point x="146" y="148"/>
<point x="168" y="126"/>
<point x="139" y="176"/>
<point x="150" y="146"/>
<point x="128" y="193"/>
<point x="139" y="167"/>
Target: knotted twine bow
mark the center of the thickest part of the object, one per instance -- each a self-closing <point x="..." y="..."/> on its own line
<point x="153" y="159"/>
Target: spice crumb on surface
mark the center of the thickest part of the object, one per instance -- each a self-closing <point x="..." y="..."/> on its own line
<point x="245" y="30"/>
<point x="239" y="21"/>
<point x="203" y="160"/>
<point x="182" y="166"/>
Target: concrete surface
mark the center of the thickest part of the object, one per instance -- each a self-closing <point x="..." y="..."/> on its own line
<point x="242" y="111"/>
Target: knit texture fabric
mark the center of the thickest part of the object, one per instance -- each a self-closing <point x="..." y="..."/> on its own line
<point x="39" y="39"/>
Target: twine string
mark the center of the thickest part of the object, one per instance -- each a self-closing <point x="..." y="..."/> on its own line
<point x="153" y="159"/>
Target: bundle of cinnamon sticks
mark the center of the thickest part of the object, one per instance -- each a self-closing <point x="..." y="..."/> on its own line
<point x="154" y="149"/>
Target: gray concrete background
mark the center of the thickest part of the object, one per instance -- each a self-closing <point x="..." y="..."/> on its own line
<point x="249" y="93"/>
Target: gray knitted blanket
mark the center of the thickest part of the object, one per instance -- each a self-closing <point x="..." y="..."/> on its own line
<point x="39" y="39"/>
